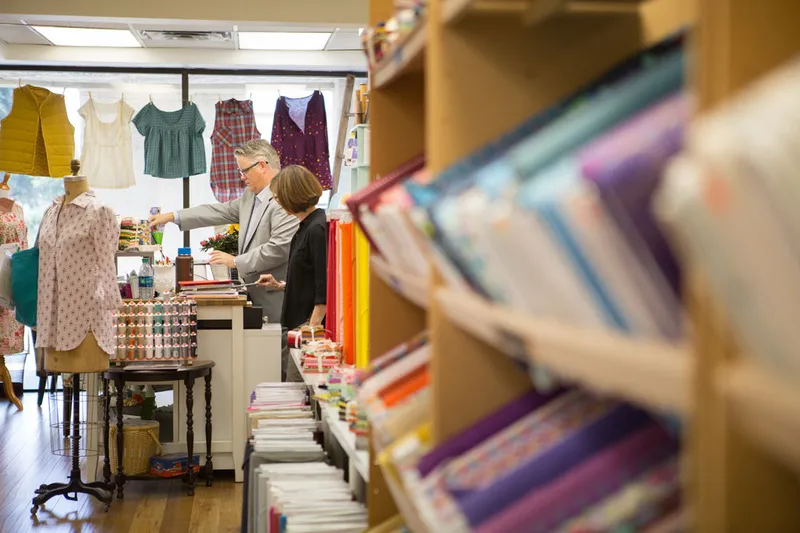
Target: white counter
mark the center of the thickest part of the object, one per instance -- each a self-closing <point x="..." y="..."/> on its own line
<point x="244" y="358"/>
<point x="340" y="430"/>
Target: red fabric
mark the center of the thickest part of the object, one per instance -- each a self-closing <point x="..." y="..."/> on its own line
<point x="332" y="310"/>
<point x="348" y="282"/>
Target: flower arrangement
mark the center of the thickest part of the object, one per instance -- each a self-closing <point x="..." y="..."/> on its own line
<point x="227" y="242"/>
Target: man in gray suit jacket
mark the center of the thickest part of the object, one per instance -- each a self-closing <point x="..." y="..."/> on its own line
<point x="265" y="229"/>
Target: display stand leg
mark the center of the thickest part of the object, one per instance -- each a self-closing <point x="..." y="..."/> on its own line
<point x="209" y="468"/>
<point x="119" y="383"/>
<point x="67" y="390"/>
<point x="190" y="431"/>
<point x="106" y="433"/>
<point x="75" y="485"/>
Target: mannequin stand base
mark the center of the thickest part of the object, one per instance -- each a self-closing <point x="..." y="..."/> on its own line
<point x="70" y="491"/>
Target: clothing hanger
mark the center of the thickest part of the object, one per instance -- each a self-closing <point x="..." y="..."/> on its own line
<point x="90" y="95"/>
<point x="151" y="98"/>
<point x="220" y="97"/>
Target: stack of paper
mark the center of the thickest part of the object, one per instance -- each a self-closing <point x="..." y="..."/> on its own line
<point x="291" y="489"/>
<point x="308" y="498"/>
<point x="209" y="289"/>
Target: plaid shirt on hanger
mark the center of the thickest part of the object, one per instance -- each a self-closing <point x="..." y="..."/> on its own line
<point x="234" y="125"/>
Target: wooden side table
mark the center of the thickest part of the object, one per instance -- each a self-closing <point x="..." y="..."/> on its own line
<point x="187" y="374"/>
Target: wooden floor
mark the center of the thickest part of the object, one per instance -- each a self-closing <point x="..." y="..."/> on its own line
<point x="148" y="507"/>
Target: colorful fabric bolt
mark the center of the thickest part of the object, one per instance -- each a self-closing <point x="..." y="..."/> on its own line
<point x="348" y="282"/>
<point x="332" y="315"/>
<point x="601" y="474"/>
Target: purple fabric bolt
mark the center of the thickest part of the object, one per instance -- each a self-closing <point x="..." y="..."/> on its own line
<point x="593" y="480"/>
<point x="483" y="429"/>
<point x="626" y="165"/>
<point x="480" y="505"/>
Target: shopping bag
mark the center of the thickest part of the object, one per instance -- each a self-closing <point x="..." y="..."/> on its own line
<point x="25" y="284"/>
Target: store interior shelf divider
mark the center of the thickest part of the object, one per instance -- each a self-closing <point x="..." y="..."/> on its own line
<point x="530" y="12"/>
<point x="405" y="56"/>
<point x="404" y="504"/>
<point x="646" y="372"/>
<point x="410" y="287"/>
<point x="766" y="407"/>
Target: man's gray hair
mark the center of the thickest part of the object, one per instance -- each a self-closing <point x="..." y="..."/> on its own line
<point x="260" y="150"/>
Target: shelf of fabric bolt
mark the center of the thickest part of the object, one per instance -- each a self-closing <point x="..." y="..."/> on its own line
<point x="339" y="429"/>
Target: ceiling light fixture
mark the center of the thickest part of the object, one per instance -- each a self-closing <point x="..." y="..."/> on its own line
<point x="263" y="40"/>
<point x="91" y="37"/>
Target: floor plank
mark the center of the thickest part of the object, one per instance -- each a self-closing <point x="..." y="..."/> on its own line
<point x="148" y="506"/>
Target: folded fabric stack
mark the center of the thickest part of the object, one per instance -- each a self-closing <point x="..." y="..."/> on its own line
<point x="304" y="334"/>
<point x="321" y="356"/>
<point x="128" y="233"/>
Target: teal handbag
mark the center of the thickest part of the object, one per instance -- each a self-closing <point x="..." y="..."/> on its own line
<point x="25" y="284"/>
<point x="25" y="281"/>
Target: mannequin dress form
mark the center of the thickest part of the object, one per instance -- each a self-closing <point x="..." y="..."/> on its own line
<point x="7" y="206"/>
<point x="88" y="356"/>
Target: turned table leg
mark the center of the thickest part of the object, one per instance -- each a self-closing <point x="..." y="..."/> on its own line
<point x="190" y="431"/>
<point x="120" y="385"/>
<point x="209" y="468"/>
<point x="106" y="433"/>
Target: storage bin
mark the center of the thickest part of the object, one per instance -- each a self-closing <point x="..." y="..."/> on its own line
<point x="140" y="441"/>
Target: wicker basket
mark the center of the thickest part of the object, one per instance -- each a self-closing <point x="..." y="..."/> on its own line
<point x="140" y="438"/>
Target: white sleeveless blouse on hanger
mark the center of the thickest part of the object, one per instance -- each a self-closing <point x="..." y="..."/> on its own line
<point x="107" y="154"/>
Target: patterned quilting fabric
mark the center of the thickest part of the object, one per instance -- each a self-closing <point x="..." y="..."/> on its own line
<point x="77" y="274"/>
<point x="234" y="125"/>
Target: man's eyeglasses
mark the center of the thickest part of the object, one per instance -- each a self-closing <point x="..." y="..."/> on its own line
<point x="244" y="171"/>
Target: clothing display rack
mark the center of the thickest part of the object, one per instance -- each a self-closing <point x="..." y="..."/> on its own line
<point x="432" y="95"/>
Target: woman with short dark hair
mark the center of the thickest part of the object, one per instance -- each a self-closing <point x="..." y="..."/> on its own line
<point x="297" y="191"/>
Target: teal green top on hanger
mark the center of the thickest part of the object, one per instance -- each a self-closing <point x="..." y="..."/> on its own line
<point x="173" y="142"/>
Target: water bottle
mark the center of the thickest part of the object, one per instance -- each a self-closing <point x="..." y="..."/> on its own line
<point x="146" y="291"/>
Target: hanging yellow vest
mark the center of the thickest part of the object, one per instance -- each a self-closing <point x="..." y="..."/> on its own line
<point x="36" y="138"/>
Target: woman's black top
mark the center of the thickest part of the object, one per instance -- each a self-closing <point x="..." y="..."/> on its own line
<point x="307" y="275"/>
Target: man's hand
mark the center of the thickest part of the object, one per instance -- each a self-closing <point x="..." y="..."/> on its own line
<point x="163" y="218"/>
<point x="221" y="258"/>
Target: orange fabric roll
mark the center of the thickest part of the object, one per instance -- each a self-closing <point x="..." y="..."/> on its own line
<point x="414" y="382"/>
<point x="348" y="282"/>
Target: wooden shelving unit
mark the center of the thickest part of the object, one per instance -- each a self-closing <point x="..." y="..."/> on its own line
<point x="479" y="68"/>
<point x="532" y="11"/>
<point x="406" y="56"/>
<point x="649" y="373"/>
<point x="767" y="408"/>
<point x="412" y="288"/>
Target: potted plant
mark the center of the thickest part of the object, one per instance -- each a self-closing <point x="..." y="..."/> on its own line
<point x="227" y="242"/>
